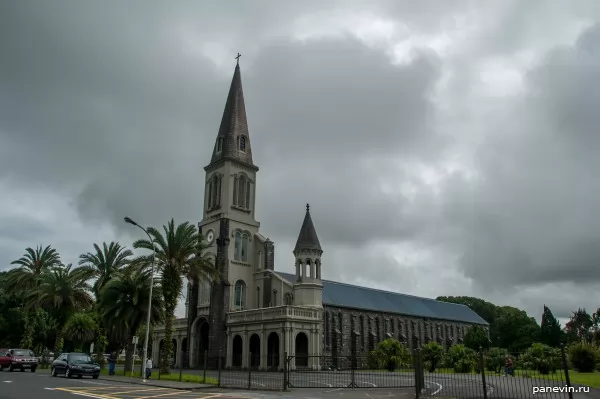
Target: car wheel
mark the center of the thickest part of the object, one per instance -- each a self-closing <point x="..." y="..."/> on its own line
<point x="33" y="369"/>
<point x="10" y="368"/>
<point x="96" y="376"/>
<point x="68" y="373"/>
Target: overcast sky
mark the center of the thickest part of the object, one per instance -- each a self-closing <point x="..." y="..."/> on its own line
<point x="446" y="148"/>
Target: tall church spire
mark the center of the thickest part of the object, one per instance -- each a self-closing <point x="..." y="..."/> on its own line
<point x="233" y="139"/>
<point x="307" y="239"/>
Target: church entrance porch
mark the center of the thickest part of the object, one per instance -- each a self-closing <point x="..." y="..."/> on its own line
<point x="254" y="351"/>
<point x="273" y="351"/>
<point x="301" y="350"/>
<point x="237" y="352"/>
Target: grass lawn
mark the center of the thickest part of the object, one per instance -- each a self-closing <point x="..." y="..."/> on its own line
<point x="174" y="376"/>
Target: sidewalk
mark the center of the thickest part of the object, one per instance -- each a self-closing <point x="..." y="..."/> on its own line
<point x="156" y="383"/>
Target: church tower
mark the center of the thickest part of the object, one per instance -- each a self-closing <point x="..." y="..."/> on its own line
<point x="228" y="223"/>
<point x="308" y="289"/>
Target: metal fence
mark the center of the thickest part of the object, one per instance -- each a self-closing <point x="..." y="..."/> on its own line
<point x="470" y="374"/>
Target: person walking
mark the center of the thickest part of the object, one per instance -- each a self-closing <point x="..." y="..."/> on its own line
<point x="508" y="366"/>
<point x="148" y="368"/>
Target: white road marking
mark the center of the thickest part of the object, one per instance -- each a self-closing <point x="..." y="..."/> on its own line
<point x="7" y="381"/>
<point x="333" y="390"/>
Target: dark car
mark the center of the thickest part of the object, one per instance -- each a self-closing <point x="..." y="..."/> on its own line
<point x="75" y="364"/>
<point x="18" y="359"/>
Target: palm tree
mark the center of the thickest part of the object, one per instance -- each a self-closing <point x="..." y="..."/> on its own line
<point x="105" y="262"/>
<point x="63" y="291"/>
<point x="25" y="278"/>
<point x="81" y="328"/>
<point x="181" y="252"/>
<point x="123" y="305"/>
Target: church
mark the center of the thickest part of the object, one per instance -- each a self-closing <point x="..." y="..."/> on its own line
<point x="256" y="315"/>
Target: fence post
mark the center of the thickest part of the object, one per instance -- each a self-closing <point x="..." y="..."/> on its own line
<point x="180" y="364"/>
<point x="482" y="369"/>
<point x="250" y="371"/>
<point x="219" y="367"/>
<point x="566" y="369"/>
<point x="417" y="373"/>
<point x="159" y="366"/>
<point x="285" y="372"/>
<point x="205" y="360"/>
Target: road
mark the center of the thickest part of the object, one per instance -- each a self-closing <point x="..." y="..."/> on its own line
<point x="39" y="385"/>
<point x="18" y="385"/>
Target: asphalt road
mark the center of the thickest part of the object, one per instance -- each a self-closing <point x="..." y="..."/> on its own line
<point x="327" y="385"/>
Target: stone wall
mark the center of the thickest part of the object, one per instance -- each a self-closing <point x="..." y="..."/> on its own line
<point x="341" y="326"/>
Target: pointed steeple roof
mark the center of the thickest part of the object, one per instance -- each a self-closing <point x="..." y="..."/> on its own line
<point x="233" y="139"/>
<point x="307" y="239"/>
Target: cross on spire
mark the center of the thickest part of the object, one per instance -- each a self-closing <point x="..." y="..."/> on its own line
<point x="307" y="207"/>
<point x="238" y="58"/>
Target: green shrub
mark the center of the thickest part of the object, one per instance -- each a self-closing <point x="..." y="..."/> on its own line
<point x="583" y="357"/>
<point x="432" y="353"/>
<point x="541" y="358"/>
<point x="390" y="354"/>
<point x="461" y="359"/>
<point x="495" y="359"/>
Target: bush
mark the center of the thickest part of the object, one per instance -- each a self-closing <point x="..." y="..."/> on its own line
<point x="541" y="358"/>
<point x="390" y="354"/>
<point x="583" y="357"/>
<point x="432" y="353"/>
<point x="495" y="359"/>
<point x="461" y="359"/>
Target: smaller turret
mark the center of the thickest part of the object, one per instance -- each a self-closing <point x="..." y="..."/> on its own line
<point x="308" y="290"/>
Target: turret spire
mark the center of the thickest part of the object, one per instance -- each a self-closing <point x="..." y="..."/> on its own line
<point x="308" y="239"/>
<point x="233" y="139"/>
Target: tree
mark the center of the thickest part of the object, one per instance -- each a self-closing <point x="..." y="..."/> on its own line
<point x="26" y="278"/>
<point x="81" y="328"/>
<point x="123" y="305"/>
<point x="180" y="252"/>
<point x="551" y="332"/>
<point x="541" y="358"/>
<point x="579" y="327"/>
<point x="105" y="262"/>
<point x="476" y="337"/>
<point x="63" y="291"/>
<point x="432" y="353"/>
<point x="515" y="330"/>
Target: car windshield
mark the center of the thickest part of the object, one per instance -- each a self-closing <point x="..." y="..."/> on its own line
<point x="80" y="358"/>
<point x="23" y="353"/>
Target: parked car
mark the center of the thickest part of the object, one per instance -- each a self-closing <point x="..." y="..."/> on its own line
<point x="75" y="364"/>
<point x="18" y="359"/>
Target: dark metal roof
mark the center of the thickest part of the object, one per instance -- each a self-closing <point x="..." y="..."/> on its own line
<point x="355" y="297"/>
<point x="307" y="239"/>
<point x="234" y="126"/>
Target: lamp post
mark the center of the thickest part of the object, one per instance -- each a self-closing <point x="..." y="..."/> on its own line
<point x="145" y="358"/>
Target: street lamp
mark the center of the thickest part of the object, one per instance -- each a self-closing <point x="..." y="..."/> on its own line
<point x="128" y="220"/>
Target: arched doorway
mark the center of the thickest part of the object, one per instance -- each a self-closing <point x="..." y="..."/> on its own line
<point x="236" y="355"/>
<point x="301" y="350"/>
<point x="254" y="351"/>
<point x="273" y="351"/>
<point x="202" y="344"/>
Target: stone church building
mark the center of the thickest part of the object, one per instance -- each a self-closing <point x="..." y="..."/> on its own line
<point x="257" y="314"/>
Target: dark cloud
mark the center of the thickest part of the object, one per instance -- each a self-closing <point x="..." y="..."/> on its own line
<point x="114" y="108"/>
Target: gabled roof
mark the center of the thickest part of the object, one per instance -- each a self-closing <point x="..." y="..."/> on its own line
<point x="234" y="126"/>
<point x="307" y="239"/>
<point x="355" y="297"/>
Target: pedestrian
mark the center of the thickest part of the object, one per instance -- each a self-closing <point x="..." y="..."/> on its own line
<point x="112" y="361"/>
<point x="148" y="368"/>
<point x="508" y="366"/>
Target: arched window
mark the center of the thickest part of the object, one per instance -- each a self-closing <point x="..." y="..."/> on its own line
<point x="209" y="196"/>
<point x="242" y="143"/>
<point x="240" y="295"/>
<point x="244" y="248"/>
<point x="220" y="144"/>
<point x="238" y="247"/>
<point x="241" y="192"/>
